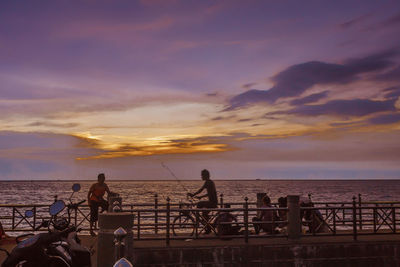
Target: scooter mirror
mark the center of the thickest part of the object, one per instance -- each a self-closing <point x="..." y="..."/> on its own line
<point x="56" y="207"/>
<point x="76" y="187"/>
<point x="29" y="214"/>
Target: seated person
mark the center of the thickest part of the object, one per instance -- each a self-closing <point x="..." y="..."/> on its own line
<point x="313" y="218"/>
<point x="223" y="223"/>
<point x="282" y="203"/>
<point x="267" y="218"/>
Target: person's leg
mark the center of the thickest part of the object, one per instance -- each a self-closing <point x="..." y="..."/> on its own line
<point x="103" y="205"/>
<point x="94" y="210"/>
<point x="205" y="218"/>
<point x="256" y="225"/>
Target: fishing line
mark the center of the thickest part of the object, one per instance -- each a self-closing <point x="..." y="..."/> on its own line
<point x="172" y="173"/>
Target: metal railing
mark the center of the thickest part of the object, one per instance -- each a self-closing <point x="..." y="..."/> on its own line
<point x="166" y="221"/>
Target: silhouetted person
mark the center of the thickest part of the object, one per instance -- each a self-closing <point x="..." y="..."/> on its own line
<point x="282" y="203"/>
<point x="267" y="218"/>
<point x="96" y="200"/>
<point x="312" y="218"/>
<point x="212" y="201"/>
<point x="224" y="223"/>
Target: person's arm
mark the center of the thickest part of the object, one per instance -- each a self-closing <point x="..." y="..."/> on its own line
<point x="90" y="193"/>
<point x="200" y="197"/>
<point x="107" y="190"/>
<point x="198" y="191"/>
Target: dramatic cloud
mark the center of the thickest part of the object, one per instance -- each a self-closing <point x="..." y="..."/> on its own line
<point x="125" y="84"/>
<point x="385" y="119"/>
<point x="354" y="107"/>
<point x="309" y="99"/>
<point x="168" y="147"/>
<point x="57" y="125"/>
<point x="392" y="75"/>
<point x="296" y="79"/>
<point x="393" y="92"/>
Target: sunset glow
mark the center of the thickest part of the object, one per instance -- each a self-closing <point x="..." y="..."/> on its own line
<point x="248" y="89"/>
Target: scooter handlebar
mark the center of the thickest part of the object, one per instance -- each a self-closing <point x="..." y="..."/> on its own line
<point x="75" y="205"/>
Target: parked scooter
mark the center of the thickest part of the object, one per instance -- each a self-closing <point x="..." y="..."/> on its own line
<point x="59" y="247"/>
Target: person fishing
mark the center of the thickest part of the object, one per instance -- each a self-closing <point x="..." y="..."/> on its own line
<point x="96" y="200"/>
<point x="212" y="201"/>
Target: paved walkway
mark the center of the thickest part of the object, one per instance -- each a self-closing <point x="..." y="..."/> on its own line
<point x="90" y="241"/>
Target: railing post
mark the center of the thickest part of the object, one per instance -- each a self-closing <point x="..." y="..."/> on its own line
<point x="312" y="223"/>
<point x="221" y="200"/>
<point x="168" y="220"/>
<point x="375" y="219"/>
<point x="294" y="220"/>
<point x="326" y="211"/>
<point x="13" y="219"/>
<point x="246" y="220"/>
<point x="360" y="211"/>
<point x="394" y="219"/>
<point x="334" y="221"/>
<point x="138" y="224"/>
<point x="354" y="219"/>
<point x="76" y="217"/>
<point x="156" y="213"/>
<point x="197" y="224"/>
<point x="34" y="217"/>
<point x="344" y="214"/>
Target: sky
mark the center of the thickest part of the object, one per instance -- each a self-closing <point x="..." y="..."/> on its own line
<point x="246" y="89"/>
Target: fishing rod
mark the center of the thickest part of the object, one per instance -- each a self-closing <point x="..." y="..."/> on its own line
<point x="172" y="173"/>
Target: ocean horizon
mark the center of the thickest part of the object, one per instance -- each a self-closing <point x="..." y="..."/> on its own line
<point x="143" y="191"/>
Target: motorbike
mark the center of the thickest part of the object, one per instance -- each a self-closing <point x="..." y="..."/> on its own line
<point x="59" y="247"/>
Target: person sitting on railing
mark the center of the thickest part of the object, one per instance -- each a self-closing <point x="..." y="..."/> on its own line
<point x="223" y="223"/>
<point x="211" y="194"/>
<point x="266" y="219"/>
<point x="312" y="217"/>
<point x="96" y="200"/>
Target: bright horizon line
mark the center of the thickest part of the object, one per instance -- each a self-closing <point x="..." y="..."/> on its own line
<point x="188" y="180"/>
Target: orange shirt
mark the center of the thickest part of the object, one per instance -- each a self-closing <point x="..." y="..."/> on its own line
<point x="98" y="192"/>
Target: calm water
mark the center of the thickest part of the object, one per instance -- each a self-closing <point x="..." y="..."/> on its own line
<point x="42" y="192"/>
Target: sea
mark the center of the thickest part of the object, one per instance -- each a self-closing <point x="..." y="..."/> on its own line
<point x="139" y="192"/>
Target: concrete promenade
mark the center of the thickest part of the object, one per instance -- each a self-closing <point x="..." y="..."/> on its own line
<point x="370" y="250"/>
<point x="158" y="247"/>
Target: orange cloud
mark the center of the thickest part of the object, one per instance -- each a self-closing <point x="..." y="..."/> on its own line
<point x="184" y="146"/>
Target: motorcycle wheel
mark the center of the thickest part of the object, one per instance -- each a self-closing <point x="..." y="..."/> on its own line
<point x="56" y="261"/>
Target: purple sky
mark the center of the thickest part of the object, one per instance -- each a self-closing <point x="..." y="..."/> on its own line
<point x="247" y="89"/>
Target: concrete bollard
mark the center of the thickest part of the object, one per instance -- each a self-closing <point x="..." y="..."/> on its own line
<point x="119" y="242"/>
<point x="108" y="223"/>
<point x="294" y="220"/>
<point x="114" y="203"/>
